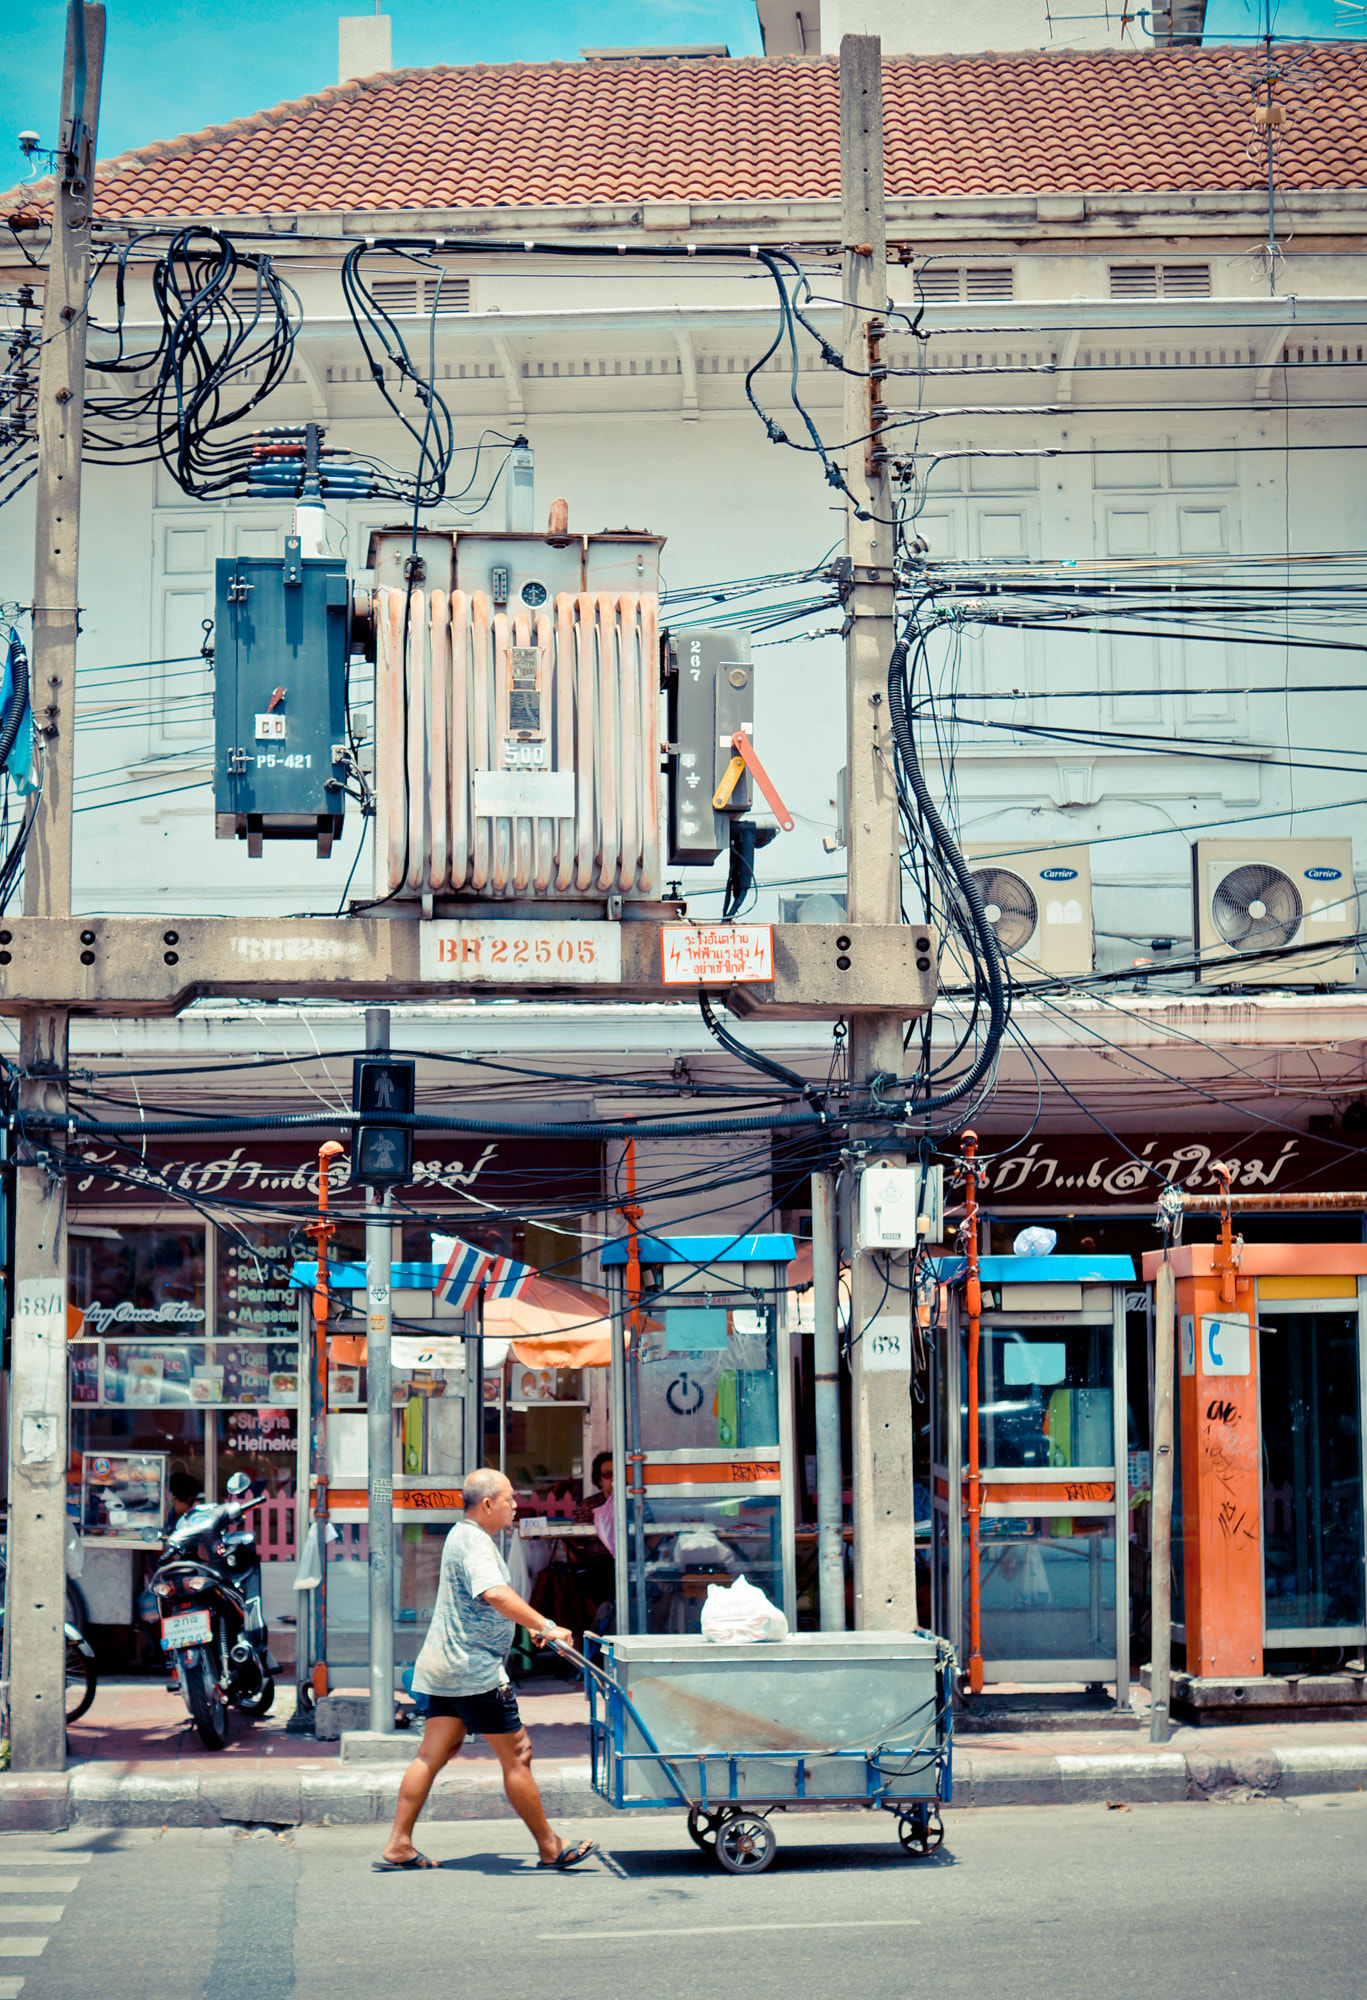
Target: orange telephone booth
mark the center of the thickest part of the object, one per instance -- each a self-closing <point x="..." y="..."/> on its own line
<point x="1271" y="1421"/>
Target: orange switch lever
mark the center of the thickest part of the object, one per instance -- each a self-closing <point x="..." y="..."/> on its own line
<point x="731" y="777"/>
<point x="743" y="747"/>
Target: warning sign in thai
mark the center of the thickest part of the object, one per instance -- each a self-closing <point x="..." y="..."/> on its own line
<point x="717" y="954"/>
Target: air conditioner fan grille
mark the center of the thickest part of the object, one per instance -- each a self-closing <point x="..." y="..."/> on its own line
<point x="1011" y="907"/>
<point x="1256" y="908"/>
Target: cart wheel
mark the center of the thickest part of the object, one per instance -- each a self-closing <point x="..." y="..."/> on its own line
<point x="920" y="1832"/>
<point x="702" y="1827"/>
<point x="746" y="1844"/>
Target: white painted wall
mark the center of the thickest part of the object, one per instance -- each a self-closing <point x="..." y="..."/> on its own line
<point x="600" y="376"/>
<point x="961" y="27"/>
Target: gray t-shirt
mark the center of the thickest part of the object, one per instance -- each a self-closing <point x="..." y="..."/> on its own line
<point x="467" y="1641"/>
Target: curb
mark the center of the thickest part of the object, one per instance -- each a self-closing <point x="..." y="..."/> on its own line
<point x="92" y="1795"/>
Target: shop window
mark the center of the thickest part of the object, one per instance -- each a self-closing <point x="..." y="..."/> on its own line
<point x="185" y="1350"/>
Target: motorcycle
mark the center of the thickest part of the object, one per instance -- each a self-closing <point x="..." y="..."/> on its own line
<point x="208" y="1591"/>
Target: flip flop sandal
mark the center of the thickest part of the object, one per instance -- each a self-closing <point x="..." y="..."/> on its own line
<point x="570" y="1857"/>
<point x="399" y="1867"/>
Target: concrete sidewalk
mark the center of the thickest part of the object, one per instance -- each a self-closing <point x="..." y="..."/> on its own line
<point x="136" y="1761"/>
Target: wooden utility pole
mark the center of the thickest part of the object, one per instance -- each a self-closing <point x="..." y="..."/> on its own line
<point x="36" y="1556"/>
<point x="880" y="1317"/>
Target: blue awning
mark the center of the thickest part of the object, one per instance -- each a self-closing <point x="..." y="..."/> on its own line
<point x="704" y="1250"/>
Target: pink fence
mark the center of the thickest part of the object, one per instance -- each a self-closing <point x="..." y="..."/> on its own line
<point x="273" y="1524"/>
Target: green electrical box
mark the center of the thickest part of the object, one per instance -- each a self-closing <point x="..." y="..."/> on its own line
<point x="281" y="634"/>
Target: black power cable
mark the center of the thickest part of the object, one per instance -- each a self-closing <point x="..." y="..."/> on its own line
<point x="987" y="953"/>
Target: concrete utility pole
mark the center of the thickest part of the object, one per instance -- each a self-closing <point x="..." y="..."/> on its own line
<point x="880" y="1320"/>
<point x="36" y="1556"/>
<point x="379" y="1255"/>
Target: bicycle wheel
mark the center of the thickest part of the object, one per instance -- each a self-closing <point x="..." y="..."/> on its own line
<point x="80" y="1682"/>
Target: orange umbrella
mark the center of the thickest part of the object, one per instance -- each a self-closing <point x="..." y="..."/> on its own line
<point x="555" y="1324"/>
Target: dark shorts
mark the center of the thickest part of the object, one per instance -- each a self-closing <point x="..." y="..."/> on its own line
<point x="491" y="1714"/>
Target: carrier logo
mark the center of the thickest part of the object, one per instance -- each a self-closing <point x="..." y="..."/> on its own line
<point x="1322" y="874"/>
<point x="1058" y="874"/>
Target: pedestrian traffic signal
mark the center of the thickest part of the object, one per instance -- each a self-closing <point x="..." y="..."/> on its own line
<point x="382" y="1152"/>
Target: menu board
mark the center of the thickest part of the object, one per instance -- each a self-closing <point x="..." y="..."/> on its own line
<point x="85" y="1372"/>
<point x="270" y="1431"/>
<point x="145" y="1375"/>
<point x="254" y="1295"/>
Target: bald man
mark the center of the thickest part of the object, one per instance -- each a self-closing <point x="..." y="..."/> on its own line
<point x="461" y="1670"/>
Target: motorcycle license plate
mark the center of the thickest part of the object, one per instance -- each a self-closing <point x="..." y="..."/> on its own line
<point x="187" y="1628"/>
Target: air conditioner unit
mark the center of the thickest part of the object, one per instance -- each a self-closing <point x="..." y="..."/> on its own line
<point x="1254" y="899"/>
<point x="1039" y="903"/>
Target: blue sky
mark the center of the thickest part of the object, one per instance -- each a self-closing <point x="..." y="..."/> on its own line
<point x="177" y="65"/>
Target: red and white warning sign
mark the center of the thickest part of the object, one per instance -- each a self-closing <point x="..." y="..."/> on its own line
<point x="717" y="954"/>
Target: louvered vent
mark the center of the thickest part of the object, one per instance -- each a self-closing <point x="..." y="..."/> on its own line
<point x="408" y="294"/>
<point x="957" y="282"/>
<point x="1160" y="281"/>
<point x="989" y="281"/>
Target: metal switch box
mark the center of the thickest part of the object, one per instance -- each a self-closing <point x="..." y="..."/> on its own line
<point x="280" y="651"/>
<point x="711" y="696"/>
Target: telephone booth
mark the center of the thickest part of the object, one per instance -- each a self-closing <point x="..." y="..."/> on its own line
<point x="1270" y="1378"/>
<point x="702" y="1428"/>
<point x="1052" y="1441"/>
<point x="435" y="1428"/>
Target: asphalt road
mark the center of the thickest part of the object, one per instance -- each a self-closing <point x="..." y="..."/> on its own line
<point x="1062" y="1903"/>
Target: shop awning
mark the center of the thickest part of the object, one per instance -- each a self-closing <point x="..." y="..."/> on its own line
<point x="555" y="1324"/>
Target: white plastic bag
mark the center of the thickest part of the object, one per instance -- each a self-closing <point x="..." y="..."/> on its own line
<point x="739" y="1613"/>
<point x="308" y="1572"/>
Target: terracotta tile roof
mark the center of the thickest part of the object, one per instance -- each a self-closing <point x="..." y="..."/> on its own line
<point x="528" y="135"/>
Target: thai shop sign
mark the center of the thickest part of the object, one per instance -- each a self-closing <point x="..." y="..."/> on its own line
<point x="1074" y="1170"/>
<point x="451" y="1171"/>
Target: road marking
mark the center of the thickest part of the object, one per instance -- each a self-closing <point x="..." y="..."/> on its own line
<point x="10" y="1989"/>
<point x="52" y="1885"/>
<point x="32" y="1913"/>
<point x="731" y="1930"/>
<point x="22" y="1947"/>
<point x="9" y="1860"/>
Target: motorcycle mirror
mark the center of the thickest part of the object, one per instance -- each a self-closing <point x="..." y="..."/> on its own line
<point x="238" y="1485"/>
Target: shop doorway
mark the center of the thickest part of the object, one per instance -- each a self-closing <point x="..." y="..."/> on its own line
<point x="1311" y="1414"/>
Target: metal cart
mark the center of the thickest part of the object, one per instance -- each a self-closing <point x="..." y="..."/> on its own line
<point x="735" y="1733"/>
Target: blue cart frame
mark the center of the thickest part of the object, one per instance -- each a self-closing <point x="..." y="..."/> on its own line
<point x="727" y="1818"/>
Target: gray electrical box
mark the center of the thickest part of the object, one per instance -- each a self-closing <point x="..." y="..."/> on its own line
<point x="710" y="686"/>
<point x="281" y="634"/>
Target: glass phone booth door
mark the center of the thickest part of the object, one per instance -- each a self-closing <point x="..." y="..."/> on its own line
<point x="703" y="1427"/>
<point x="1052" y="1454"/>
<point x="1311" y="1413"/>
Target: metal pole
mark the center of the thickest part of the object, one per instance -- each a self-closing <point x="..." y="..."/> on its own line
<point x="321" y="1231"/>
<point x="1160" y="1511"/>
<point x="636" y="1472"/>
<point x="379" y="1252"/>
<point x="884" y="1526"/>
<point x="973" y="1300"/>
<point x="830" y="1550"/>
<point x="38" y="1380"/>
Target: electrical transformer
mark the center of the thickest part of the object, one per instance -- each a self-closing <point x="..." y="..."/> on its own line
<point x="281" y="635"/>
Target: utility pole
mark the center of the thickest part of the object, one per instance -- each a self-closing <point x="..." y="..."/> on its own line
<point x="880" y="1316"/>
<point x="36" y="1555"/>
<point x="379" y="1257"/>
